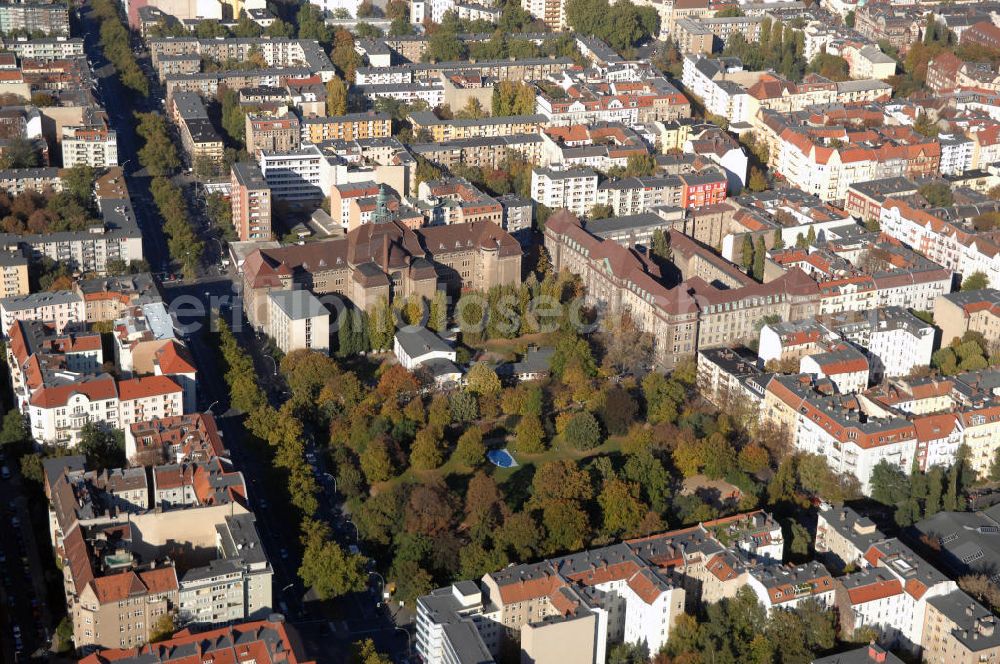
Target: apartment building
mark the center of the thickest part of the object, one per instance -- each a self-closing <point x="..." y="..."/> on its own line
<point x="272" y="133"/>
<point x="895" y="341"/>
<point x="250" y="199"/>
<point x="57" y="308"/>
<point x="576" y="606"/>
<point x="943" y="237"/>
<point x="901" y="26"/>
<point x="51" y="48"/>
<point x="869" y="62"/>
<point x="235" y="586"/>
<point x="576" y="99"/>
<point x="959" y="629"/>
<point x="13" y="274"/>
<point x="58" y="412"/>
<point x="730" y="378"/>
<point x="550" y="12"/>
<point x="430" y="93"/>
<point x="893" y="592"/>
<point x="346" y="127"/>
<point x="788" y="586"/>
<point x="456" y="201"/>
<point x="297" y="176"/>
<point x="485" y="152"/>
<point x="297" y="320"/>
<point x="278" y="53"/>
<point x="843" y="537"/>
<point x="852" y="436"/>
<point x="199" y="138"/>
<point x="116" y="552"/>
<point x="116" y="237"/>
<point x="89" y="146"/>
<point x="574" y="189"/>
<point x="519" y="69"/>
<point x="488" y="127"/>
<point x="341" y="196"/>
<point x="193" y="437"/>
<point x="808" y="156"/>
<point x="108" y="298"/>
<point x="17" y="180"/>
<point x="721" y="83"/>
<point x="270" y="640"/>
<point x="964" y="311"/>
<point x="47" y="19"/>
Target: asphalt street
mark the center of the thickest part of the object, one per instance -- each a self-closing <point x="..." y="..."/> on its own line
<point x="327" y="629"/>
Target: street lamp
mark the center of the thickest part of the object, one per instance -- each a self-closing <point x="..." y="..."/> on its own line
<point x="274" y="362"/>
<point x="357" y="535"/>
<point x="381" y="579"/>
<point x="209" y="409"/>
<point x="287" y="587"/>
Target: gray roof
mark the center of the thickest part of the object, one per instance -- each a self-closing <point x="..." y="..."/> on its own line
<point x="857" y="529"/>
<point x="601" y="227"/>
<point x="416" y="340"/>
<point x="977" y="626"/>
<point x="35" y="300"/>
<point x="298" y="304"/>
<point x="969" y="541"/>
<point x="248" y="174"/>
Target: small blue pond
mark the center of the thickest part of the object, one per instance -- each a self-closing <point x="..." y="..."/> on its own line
<point x="501" y="458"/>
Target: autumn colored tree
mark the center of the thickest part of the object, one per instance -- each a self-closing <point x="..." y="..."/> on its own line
<point x="529" y="435"/>
<point x="470" y="450"/>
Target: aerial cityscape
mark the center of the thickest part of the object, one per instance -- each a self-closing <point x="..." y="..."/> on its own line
<point x="500" y="331"/>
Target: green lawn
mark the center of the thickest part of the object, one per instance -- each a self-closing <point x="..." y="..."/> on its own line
<point x="514" y="480"/>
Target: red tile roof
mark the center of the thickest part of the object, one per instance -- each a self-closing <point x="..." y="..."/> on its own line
<point x="147" y="386"/>
<point x="97" y="389"/>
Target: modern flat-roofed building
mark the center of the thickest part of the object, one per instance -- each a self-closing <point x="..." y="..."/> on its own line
<point x="251" y="202"/>
<point x="48" y="19"/>
<point x="89" y="146"/>
<point x="298" y="320"/>
<point x="346" y="127"/>
<point x="13" y="274"/>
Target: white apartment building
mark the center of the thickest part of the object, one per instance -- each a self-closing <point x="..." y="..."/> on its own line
<point x="51" y="48"/>
<point x="57" y="308"/>
<point x="431" y="93"/>
<point x="421" y="10"/>
<point x="233" y="587"/>
<point x="575" y="190"/>
<point x="58" y="412"/>
<point x="89" y="146"/>
<point x="956" y="154"/>
<point x="550" y="12"/>
<point x="853" y="441"/>
<point x="297" y="320"/>
<point x="785" y="587"/>
<point x="944" y="243"/>
<point x="721" y="84"/>
<point x="892" y="592"/>
<point x="298" y="175"/>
